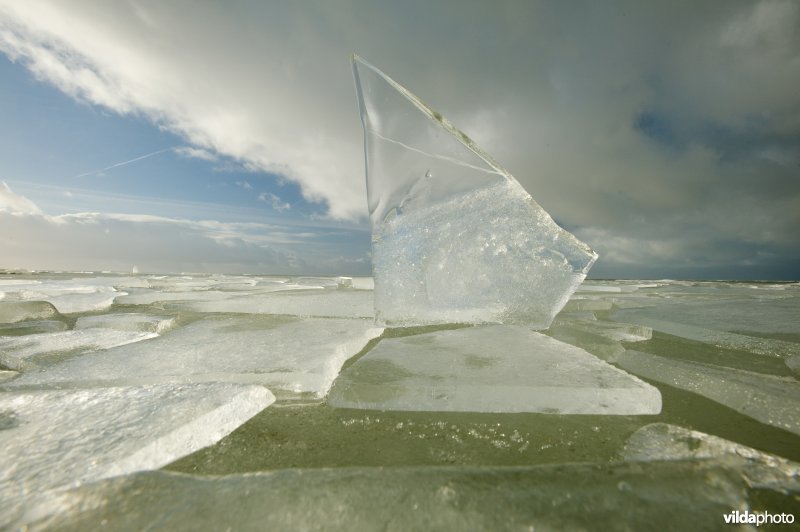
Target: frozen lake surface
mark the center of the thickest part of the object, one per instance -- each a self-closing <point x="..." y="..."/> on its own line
<point x="216" y="401"/>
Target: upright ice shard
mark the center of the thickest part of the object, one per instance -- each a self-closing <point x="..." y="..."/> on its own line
<point x="455" y="238"/>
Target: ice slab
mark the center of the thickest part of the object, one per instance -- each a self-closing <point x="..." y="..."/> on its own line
<point x="22" y="328"/>
<point x="495" y="368"/>
<point x="621" y="332"/>
<point x="16" y="311"/>
<point x="766" y="398"/>
<point x="455" y="238"/>
<point x="80" y="302"/>
<point x="793" y="363"/>
<point x="718" y="307"/>
<point x="287" y="354"/>
<point x="132" y="321"/>
<point x="155" y="296"/>
<point x="626" y="496"/>
<point x="58" y="438"/>
<point x="68" y="296"/>
<point x="7" y="375"/>
<point x="661" y="441"/>
<point x="759" y="346"/>
<point x="33" y="350"/>
<point x="583" y="305"/>
<point x="313" y="303"/>
<point x="588" y="287"/>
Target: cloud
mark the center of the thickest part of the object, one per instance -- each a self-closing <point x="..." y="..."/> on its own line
<point x="15" y="204"/>
<point x="195" y="153"/>
<point x="109" y="241"/>
<point x="133" y="60"/>
<point x="275" y="201"/>
<point x="654" y="131"/>
<point x="245" y="185"/>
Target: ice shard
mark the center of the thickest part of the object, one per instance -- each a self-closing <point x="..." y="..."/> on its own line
<point x="455" y="238"/>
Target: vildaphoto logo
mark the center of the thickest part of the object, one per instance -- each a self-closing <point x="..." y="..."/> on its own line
<point x="757" y="518"/>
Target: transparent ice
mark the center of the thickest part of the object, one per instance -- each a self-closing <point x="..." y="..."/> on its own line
<point x="455" y="238"/>
<point x="58" y="438"/>
<point x="491" y="368"/>
<point x="621" y="496"/>
<point x="769" y="399"/>
<point x="662" y="441"/>
<point x="284" y="353"/>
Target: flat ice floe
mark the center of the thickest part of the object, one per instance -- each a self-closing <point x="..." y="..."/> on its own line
<point x="17" y="311"/>
<point x="766" y="398"/>
<point x="312" y="303"/>
<point x="290" y="354"/>
<point x="60" y="438"/>
<point x="757" y="345"/>
<point x="33" y="350"/>
<point x="661" y="441"/>
<point x="132" y="321"/>
<point x="622" y="496"/>
<point x="489" y="369"/>
<point x="69" y="296"/>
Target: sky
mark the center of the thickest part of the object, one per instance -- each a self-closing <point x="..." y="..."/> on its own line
<point x="224" y="136"/>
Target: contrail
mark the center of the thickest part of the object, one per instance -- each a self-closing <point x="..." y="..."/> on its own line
<point x="123" y="163"/>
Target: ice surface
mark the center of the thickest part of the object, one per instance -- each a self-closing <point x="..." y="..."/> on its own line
<point x="661" y="441"/>
<point x="21" y="328"/>
<point x="455" y="238"/>
<point x="621" y="332"/>
<point x="16" y="311"/>
<point x="315" y="303"/>
<point x="31" y="351"/>
<point x="126" y="322"/>
<point x="155" y="296"/>
<point x="284" y="353"/>
<point x="59" y="438"/>
<point x="760" y="346"/>
<point x="626" y="496"/>
<point x="766" y="398"/>
<point x="68" y="296"/>
<point x="6" y="375"/>
<point x="718" y="307"/>
<point x="793" y="363"/>
<point x="495" y="368"/>
<point x="601" y="338"/>
<point x="88" y="302"/>
<point x="583" y="305"/>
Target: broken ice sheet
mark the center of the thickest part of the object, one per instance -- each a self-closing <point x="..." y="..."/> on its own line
<point x="661" y="441"/>
<point x="32" y="327"/>
<point x="766" y="398"/>
<point x="493" y="368"/>
<point x="793" y="363"/>
<point x="759" y="346"/>
<point x="623" y="496"/>
<point x="330" y="303"/>
<point x="131" y="321"/>
<point x="17" y="311"/>
<point x="68" y="296"/>
<point x="58" y="438"/>
<point x="455" y="238"/>
<point x="31" y="351"/>
<point x="289" y="354"/>
<point x="621" y="332"/>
